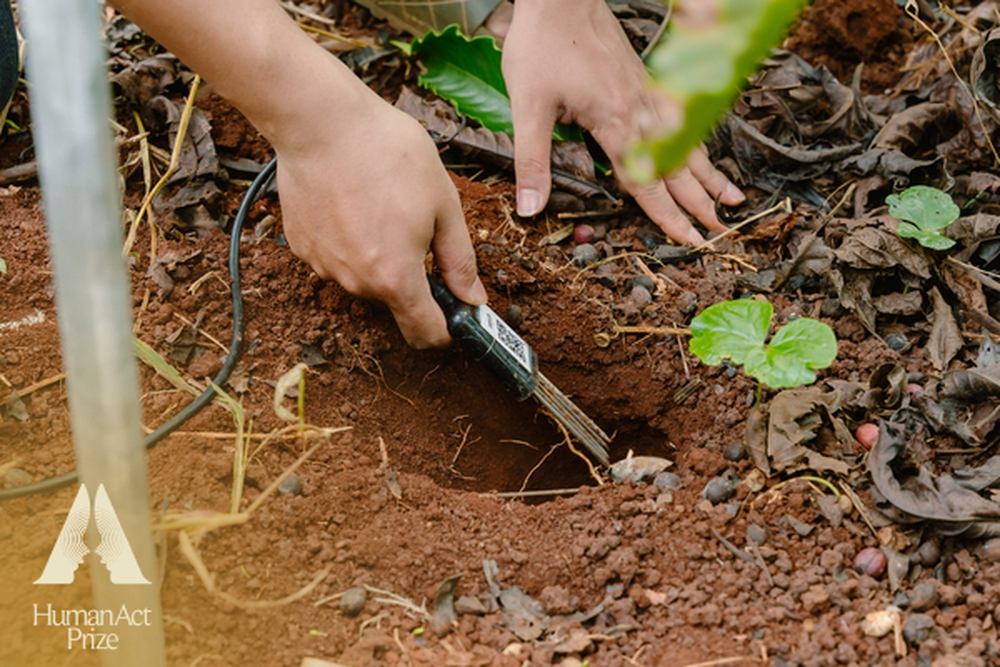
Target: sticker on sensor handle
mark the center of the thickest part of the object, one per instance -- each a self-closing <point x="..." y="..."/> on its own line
<point x="504" y="335"/>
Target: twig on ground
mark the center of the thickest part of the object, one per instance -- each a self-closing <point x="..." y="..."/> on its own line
<point x="187" y="548"/>
<point x="201" y="332"/>
<point x="329" y="598"/>
<point x="785" y="205"/>
<point x="41" y="384"/>
<point x="849" y="492"/>
<point x="732" y="548"/>
<point x="374" y="620"/>
<point x="726" y="661"/>
<point x="760" y="562"/>
<point x="538" y="493"/>
<point x="175" y="158"/>
<point x="19" y="172"/>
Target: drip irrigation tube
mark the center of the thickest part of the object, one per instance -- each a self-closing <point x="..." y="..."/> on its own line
<point x="195" y="406"/>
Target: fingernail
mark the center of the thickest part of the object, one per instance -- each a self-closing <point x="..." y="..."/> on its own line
<point x="694" y="238"/>
<point x="529" y="202"/>
<point x="734" y="194"/>
<point x="478" y="293"/>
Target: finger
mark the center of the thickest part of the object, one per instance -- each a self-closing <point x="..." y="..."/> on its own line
<point x="455" y="256"/>
<point x="533" y="123"/>
<point x="713" y="180"/>
<point x="417" y="314"/>
<point x="691" y="196"/>
<point x="661" y="208"/>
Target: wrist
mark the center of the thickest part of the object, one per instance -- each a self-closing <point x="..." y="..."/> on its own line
<point x="307" y="98"/>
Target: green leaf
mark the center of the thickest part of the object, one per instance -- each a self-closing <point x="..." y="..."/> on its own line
<point x="796" y="351"/>
<point x="467" y="73"/>
<point x="3" y="266"/>
<point x="734" y="330"/>
<point x="929" y="210"/>
<point x="737" y="330"/>
<point x="703" y="71"/>
<point x="926" y="207"/>
<point x="929" y="239"/>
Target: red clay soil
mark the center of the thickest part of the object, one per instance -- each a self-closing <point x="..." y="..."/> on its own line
<point x="624" y="574"/>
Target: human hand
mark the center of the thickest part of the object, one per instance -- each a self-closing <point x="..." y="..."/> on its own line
<point x="363" y="192"/>
<point x="569" y="61"/>
<point x="364" y="201"/>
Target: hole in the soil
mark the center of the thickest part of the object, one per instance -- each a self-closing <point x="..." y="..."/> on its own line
<point x="466" y="431"/>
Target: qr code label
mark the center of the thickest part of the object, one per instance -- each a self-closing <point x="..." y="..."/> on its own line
<point x="504" y="335"/>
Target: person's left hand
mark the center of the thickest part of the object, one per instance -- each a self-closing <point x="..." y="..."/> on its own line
<point x="569" y="61"/>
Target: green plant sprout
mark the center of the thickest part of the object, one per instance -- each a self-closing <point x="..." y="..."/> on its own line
<point x="737" y="331"/>
<point x="3" y="266"/>
<point x="703" y="69"/>
<point x="924" y="212"/>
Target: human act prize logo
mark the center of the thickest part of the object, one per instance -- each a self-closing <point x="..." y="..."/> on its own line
<point x="114" y="549"/>
<point x="67" y="555"/>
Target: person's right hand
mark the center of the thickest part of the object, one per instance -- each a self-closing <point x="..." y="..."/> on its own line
<point x="363" y="192"/>
<point x="364" y="201"/>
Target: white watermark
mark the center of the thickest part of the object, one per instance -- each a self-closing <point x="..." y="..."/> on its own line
<point x="82" y="625"/>
<point x="114" y="549"/>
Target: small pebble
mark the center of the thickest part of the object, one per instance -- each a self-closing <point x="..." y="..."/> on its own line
<point x="755" y="480"/>
<point x="514" y="316"/>
<point x="878" y="623"/>
<point x="897" y="342"/>
<point x="719" y="489"/>
<point x="687" y="302"/>
<point x="467" y="604"/>
<point x="756" y="534"/>
<point x="644" y="281"/>
<point x="668" y="481"/>
<point x="439" y="624"/>
<point x="637" y="468"/>
<point x="665" y="498"/>
<point x="923" y="597"/>
<point x="640" y="297"/>
<point x="991" y="550"/>
<point x="901" y="599"/>
<point x="648" y="238"/>
<point x="918" y="628"/>
<point x="735" y="452"/>
<point x="291" y="485"/>
<point x="729" y="369"/>
<point x="353" y="601"/>
<point x="585" y="254"/>
<point x="930" y="553"/>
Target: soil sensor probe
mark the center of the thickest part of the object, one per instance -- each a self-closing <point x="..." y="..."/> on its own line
<point x="484" y="335"/>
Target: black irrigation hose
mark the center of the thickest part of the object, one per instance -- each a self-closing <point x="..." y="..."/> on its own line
<point x="192" y="408"/>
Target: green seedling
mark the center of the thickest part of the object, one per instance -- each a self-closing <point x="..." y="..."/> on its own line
<point x="466" y="72"/>
<point x="702" y="69"/>
<point x="737" y="331"/>
<point x="924" y="212"/>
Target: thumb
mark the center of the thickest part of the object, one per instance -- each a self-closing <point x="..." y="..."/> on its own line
<point x="533" y="125"/>
<point x="455" y="256"/>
